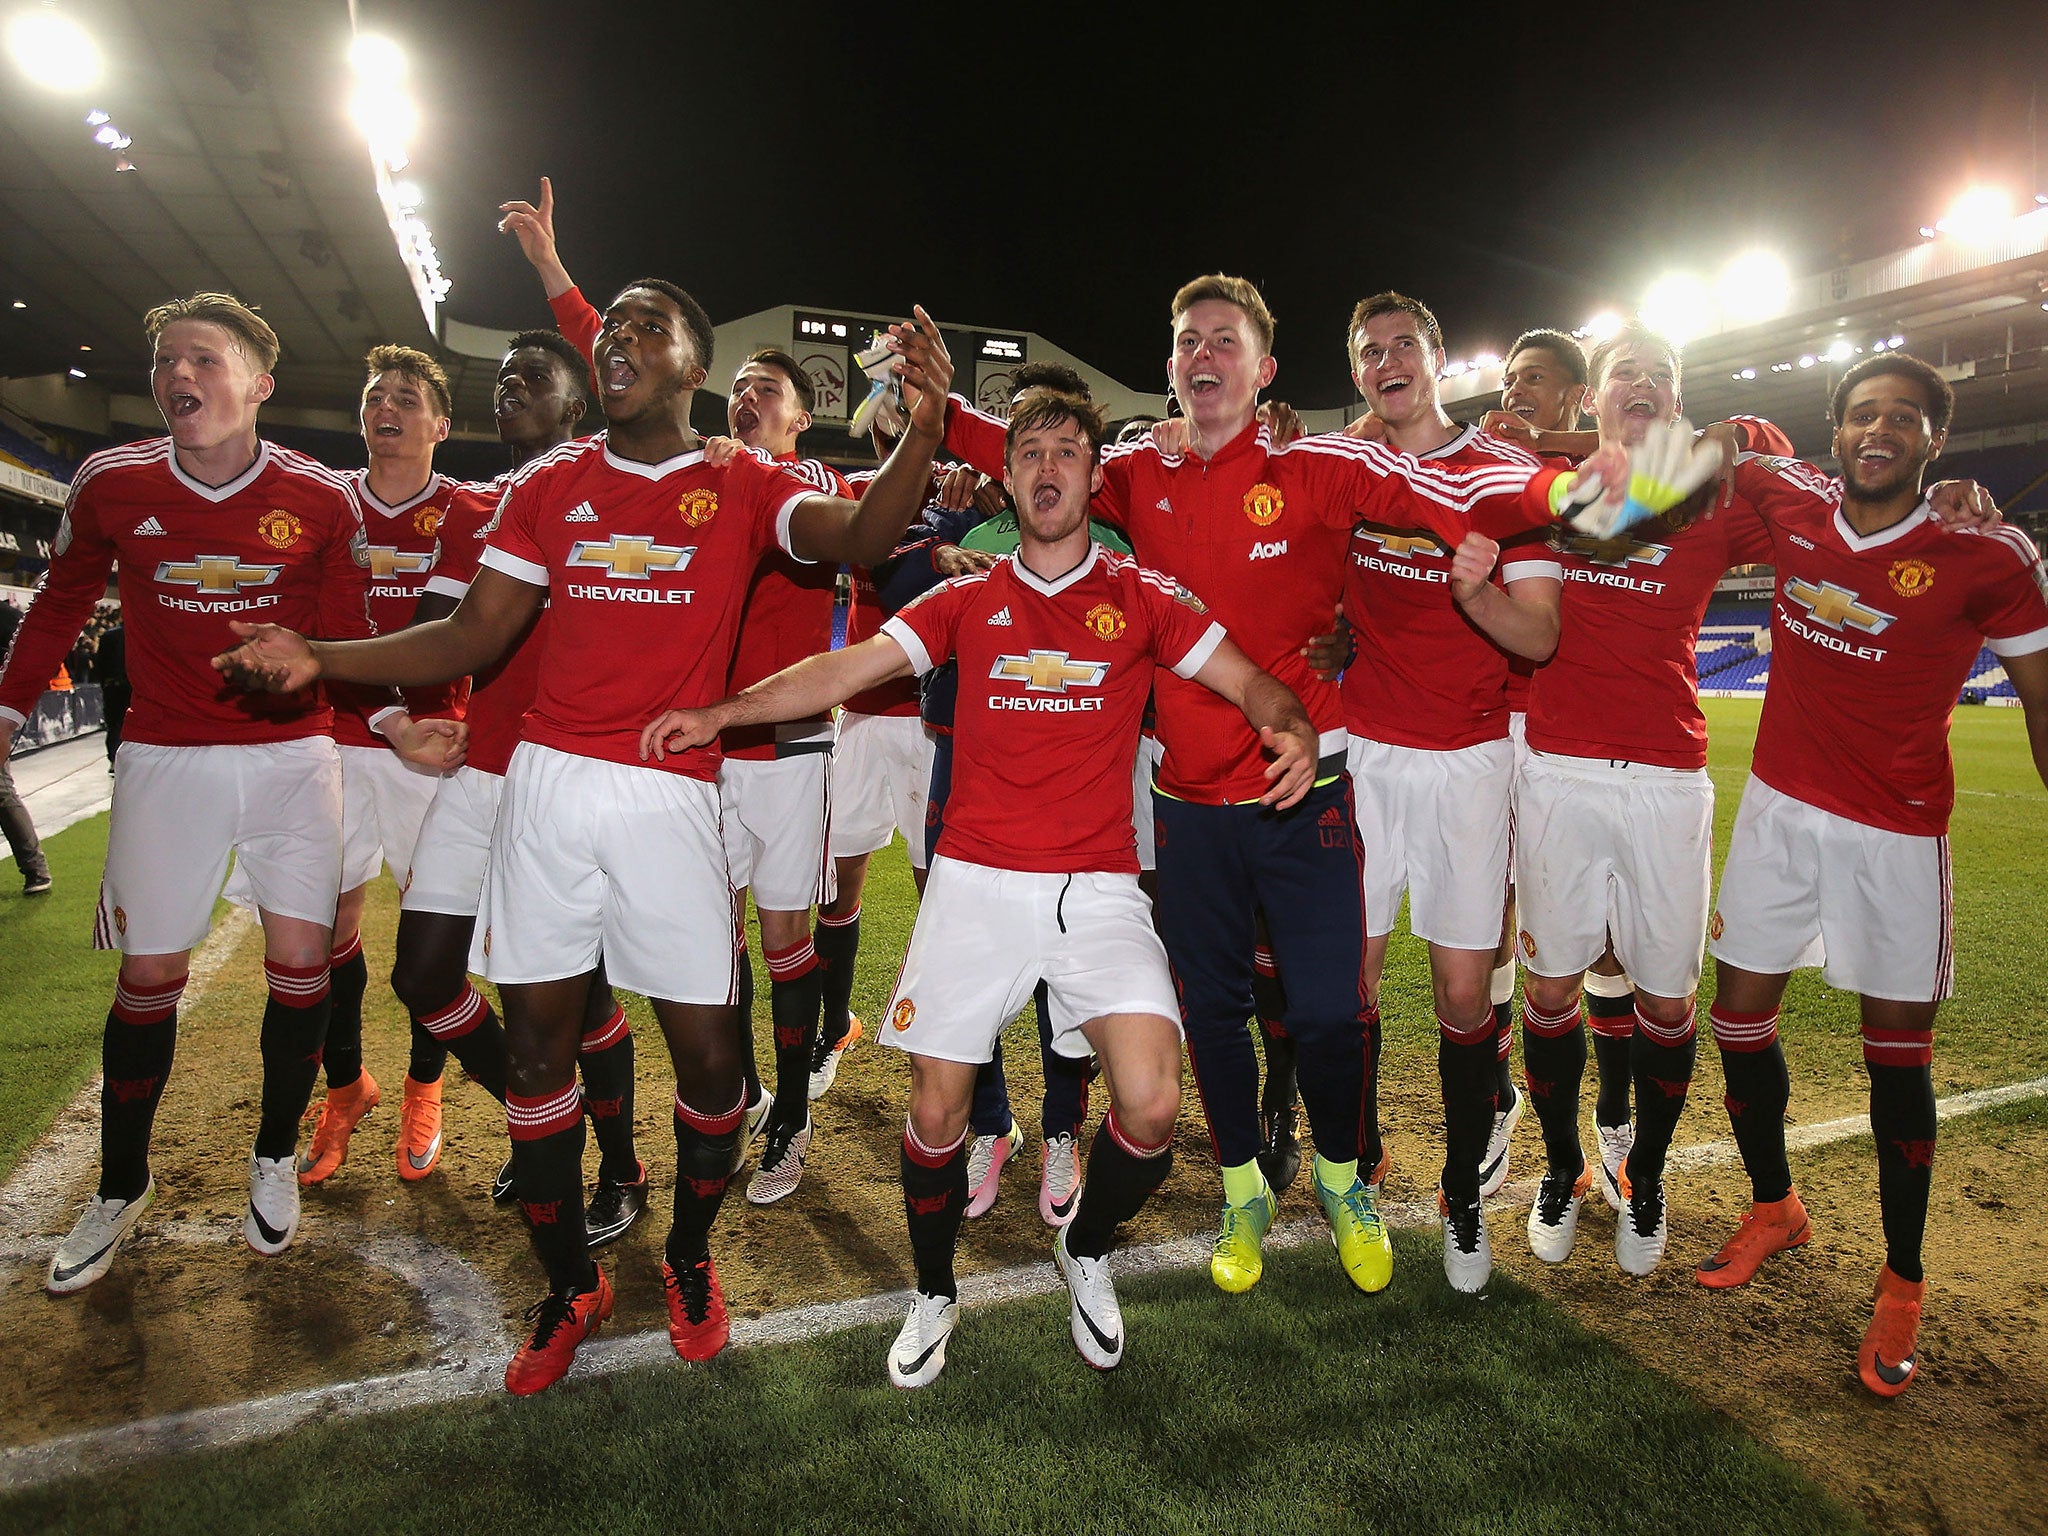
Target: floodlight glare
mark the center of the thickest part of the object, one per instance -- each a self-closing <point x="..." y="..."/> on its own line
<point x="54" y="51"/>
<point x="1679" y="306"/>
<point x="1840" y="352"/>
<point x="377" y="61"/>
<point x="408" y="195"/>
<point x="1979" y="214"/>
<point x="1602" y="326"/>
<point x="1754" y="286"/>
<point x="384" y="116"/>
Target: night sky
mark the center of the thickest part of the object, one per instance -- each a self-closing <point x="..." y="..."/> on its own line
<point x="1065" y="172"/>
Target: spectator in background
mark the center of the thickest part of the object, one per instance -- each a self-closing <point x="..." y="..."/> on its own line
<point x="110" y="671"/>
<point x="14" y="818"/>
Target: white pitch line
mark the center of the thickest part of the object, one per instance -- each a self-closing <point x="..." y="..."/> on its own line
<point x="29" y="1466"/>
<point x="44" y="1187"/>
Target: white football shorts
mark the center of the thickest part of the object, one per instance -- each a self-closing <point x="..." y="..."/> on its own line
<point x="1803" y="887"/>
<point x="1435" y="826"/>
<point x="593" y="857"/>
<point x="1620" y="848"/>
<point x="881" y="780"/>
<point x="180" y="813"/>
<point x="452" y="855"/>
<point x="985" y="937"/>
<point x="776" y="814"/>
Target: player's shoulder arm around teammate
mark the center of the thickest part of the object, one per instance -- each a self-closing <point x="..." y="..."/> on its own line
<point x="798" y="692"/>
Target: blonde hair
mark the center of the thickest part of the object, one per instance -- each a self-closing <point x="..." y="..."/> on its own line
<point x="1228" y="290"/>
<point x="253" y="338"/>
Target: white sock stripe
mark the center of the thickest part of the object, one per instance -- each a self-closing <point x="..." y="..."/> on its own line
<point x="910" y="1135"/>
<point x="148" y="1002"/>
<point x="606" y="1035"/>
<point x="1760" y="1032"/>
<point x="1531" y="1014"/>
<point x="839" y="922"/>
<point x="282" y="985"/>
<point x="567" y="1102"/>
<point x="793" y="963"/>
<point x="456" y="1017"/>
<point x="1668" y="1034"/>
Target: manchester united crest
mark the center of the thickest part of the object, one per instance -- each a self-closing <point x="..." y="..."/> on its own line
<point x="427" y="521"/>
<point x="1528" y="946"/>
<point x="1714" y="928"/>
<point x="1909" y="578"/>
<point x="903" y="1015"/>
<point x="120" y="920"/>
<point x="1263" y="504"/>
<point x="1105" y="621"/>
<point x="698" y="507"/>
<point x="279" y="529"/>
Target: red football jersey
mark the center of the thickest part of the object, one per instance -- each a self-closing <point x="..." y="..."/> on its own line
<point x="501" y="694"/>
<point x="405" y="544"/>
<point x="864" y="618"/>
<point x="1871" y="641"/>
<point x="647" y="568"/>
<point x="1425" y="675"/>
<point x="1264" y="531"/>
<point x="1053" y="681"/>
<point x="1623" y="683"/>
<point x="788" y="617"/>
<point x="282" y="543"/>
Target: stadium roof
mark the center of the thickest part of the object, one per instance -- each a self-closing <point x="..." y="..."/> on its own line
<point x="247" y="176"/>
<point x="1973" y="308"/>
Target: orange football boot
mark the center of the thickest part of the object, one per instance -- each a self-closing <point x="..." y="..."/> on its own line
<point x="1887" y="1360"/>
<point x="340" y="1113"/>
<point x="560" y="1323"/>
<point x="1767" y="1228"/>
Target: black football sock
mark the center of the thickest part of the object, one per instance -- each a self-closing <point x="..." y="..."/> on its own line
<point x="704" y="1148"/>
<point x="428" y="1057"/>
<point x="135" y="1062"/>
<point x="470" y="1031"/>
<point x="547" y="1178"/>
<point x="838" y="944"/>
<point x="1759" y="1088"/>
<point x="1613" y="1022"/>
<point x="796" y="985"/>
<point x="1903" y="1125"/>
<point x="744" y="1016"/>
<point x="1121" y="1177"/>
<point x="1554" y="1066"/>
<point x="1465" y="1062"/>
<point x="1664" y="1056"/>
<point x="934" y="1199"/>
<point x="344" y="1047"/>
<point x="1371" y="1149"/>
<point x="605" y="1059"/>
<point x="1065" y="1109"/>
<point x="294" y="1027"/>
<point x="1503" y="1052"/>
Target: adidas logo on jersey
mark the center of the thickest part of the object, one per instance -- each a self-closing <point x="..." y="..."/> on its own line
<point x="1002" y="616"/>
<point x="1165" y="505"/>
<point x="582" y="512"/>
<point x="148" y="528"/>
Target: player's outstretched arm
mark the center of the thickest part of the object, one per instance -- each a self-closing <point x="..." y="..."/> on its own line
<point x="1523" y="619"/>
<point x="2029" y="677"/>
<point x="492" y="615"/>
<point x="830" y="528"/>
<point x="1275" y="713"/>
<point x="534" y="228"/>
<point x="798" y="692"/>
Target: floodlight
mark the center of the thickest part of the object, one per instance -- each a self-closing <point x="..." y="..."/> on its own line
<point x="1602" y="326"/>
<point x="1754" y="286"/>
<point x="377" y="61"/>
<point x="1979" y="214"/>
<point x="1839" y="352"/>
<point x="54" y="51"/>
<point x="1679" y="306"/>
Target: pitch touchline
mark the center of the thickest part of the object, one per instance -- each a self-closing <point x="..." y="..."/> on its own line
<point x="199" y="1429"/>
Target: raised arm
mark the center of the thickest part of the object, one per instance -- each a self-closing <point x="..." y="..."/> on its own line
<point x="799" y="692"/>
<point x="492" y="615"/>
<point x="833" y="529"/>
<point x="1275" y="713"/>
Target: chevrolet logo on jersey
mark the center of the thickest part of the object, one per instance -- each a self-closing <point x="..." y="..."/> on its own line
<point x="1837" y="607"/>
<point x="1050" y="671"/>
<point x="1404" y="546"/>
<point x="387" y="560"/>
<point x="216" y="573"/>
<point x="631" y="558"/>
<point x="1621" y="551"/>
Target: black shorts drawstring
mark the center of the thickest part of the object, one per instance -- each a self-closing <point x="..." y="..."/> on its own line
<point x="1059" y="911"/>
